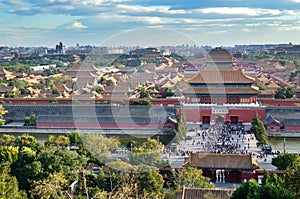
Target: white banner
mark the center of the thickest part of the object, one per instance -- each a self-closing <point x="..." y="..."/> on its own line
<point x="219" y="110"/>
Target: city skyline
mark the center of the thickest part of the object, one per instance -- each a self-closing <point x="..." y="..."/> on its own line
<point x="148" y="23"/>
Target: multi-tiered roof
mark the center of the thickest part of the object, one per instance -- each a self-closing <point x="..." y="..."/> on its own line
<point x="220" y="79"/>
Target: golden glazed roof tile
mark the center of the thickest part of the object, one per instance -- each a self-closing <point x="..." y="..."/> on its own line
<point x="221" y="77"/>
<point x="222" y="161"/>
<point x="216" y="90"/>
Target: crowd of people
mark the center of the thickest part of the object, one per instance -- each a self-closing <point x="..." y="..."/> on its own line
<point x="220" y="138"/>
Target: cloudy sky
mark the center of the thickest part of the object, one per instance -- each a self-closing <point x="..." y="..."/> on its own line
<point x="145" y="22"/>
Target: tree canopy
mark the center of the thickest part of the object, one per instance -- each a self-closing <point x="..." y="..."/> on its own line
<point x="272" y="188"/>
<point x="9" y="185"/>
<point x="193" y="178"/>
<point x="284" y="160"/>
<point x="181" y="127"/>
<point x="292" y="178"/>
<point x="286" y="92"/>
<point x="2" y="112"/>
<point x="259" y="130"/>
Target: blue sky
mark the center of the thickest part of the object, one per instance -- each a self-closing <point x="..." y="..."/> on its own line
<point x="148" y="23"/>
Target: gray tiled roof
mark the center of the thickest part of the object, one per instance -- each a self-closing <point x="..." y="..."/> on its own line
<point x="100" y="120"/>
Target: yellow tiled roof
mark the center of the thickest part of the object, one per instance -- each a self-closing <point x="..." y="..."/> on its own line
<point x="217" y="77"/>
<point x="222" y="161"/>
<point x="215" y="90"/>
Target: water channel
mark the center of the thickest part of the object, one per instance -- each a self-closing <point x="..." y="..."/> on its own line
<point x="290" y="144"/>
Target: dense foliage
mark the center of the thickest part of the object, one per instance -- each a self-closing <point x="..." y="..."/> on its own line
<point x="283" y="93"/>
<point x="259" y="130"/>
<point x="284" y="160"/>
<point x="274" y="186"/>
<point x="181" y="128"/>
<point x="2" y="112"/>
<point x="79" y="166"/>
<point x="30" y="120"/>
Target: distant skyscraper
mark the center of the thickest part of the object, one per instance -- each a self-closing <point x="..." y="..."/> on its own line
<point x="60" y="48"/>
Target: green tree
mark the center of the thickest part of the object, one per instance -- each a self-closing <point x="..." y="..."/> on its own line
<point x="286" y="92"/>
<point x="280" y="94"/>
<point x="7" y="140"/>
<point x="181" y="127"/>
<point x="28" y="141"/>
<point x="284" y="160"/>
<point x="150" y="182"/>
<point x="141" y="102"/>
<point x="50" y="141"/>
<point x="118" y="179"/>
<point x="292" y="178"/>
<point x="100" y="147"/>
<point x="283" y="62"/>
<point x="293" y="76"/>
<point x="289" y="93"/>
<point x="59" y="160"/>
<point x="143" y="92"/>
<point x="110" y="82"/>
<point x="149" y="153"/>
<point x="167" y="93"/>
<point x="54" y="186"/>
<point x="11" y="94"/>
<point x="192" y="177"/>
<point x="55" y="91"/>
<point x="62" y="141"/>
<point x="76" y="141"/>
<point x="2" y="112"/>
<point x="259" y="130"/>
<point x="9" y="185"/>
<point x="30" y="121"/>
<point x="8" y="154"/>
<point x="248" y="190"/>
<point x="24" y="91"/>
<point x="53" y="101"/>
<point x="273" y="187"/>
<point x="19" y="83"/>
<point x="59" y="141"/>
<point x="25" y="168"/>
<point x="97" y="88"/>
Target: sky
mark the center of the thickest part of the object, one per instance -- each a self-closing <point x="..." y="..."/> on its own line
<point x="148" y="23"/>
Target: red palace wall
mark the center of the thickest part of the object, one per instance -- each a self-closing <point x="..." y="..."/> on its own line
<point x="272" y="128"/>
<point x="155" y="102"/>
<point x="292" y="128"/>
<point x="245" y="115"/>
<point x="272" y="102"/>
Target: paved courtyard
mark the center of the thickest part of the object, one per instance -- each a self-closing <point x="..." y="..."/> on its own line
<point x="215" y="140"/>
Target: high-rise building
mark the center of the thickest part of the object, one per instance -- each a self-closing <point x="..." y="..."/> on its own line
<point x="60" y="48"/>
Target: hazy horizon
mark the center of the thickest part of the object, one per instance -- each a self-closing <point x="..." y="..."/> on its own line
<point x="94" y="22"/>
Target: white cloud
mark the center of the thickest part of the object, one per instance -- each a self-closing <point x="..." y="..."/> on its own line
<point x="144" y="9"/>
<point x="57" y="1"/>
<point x="218" y="32"/>
<point x="150" y="20"/>
<point x="239" y="11"/>
<point x="77" y="25"/>
<point x="16" y="2"/>
<point x="113" y="18"/>
<point x="253" y="24"/>
<point x="295" y="1"/>
<point x="67" y="7"/>
<point x="246" y="30"/>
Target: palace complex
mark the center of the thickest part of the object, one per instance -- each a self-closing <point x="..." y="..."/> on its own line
<point x="220" y="93"/>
